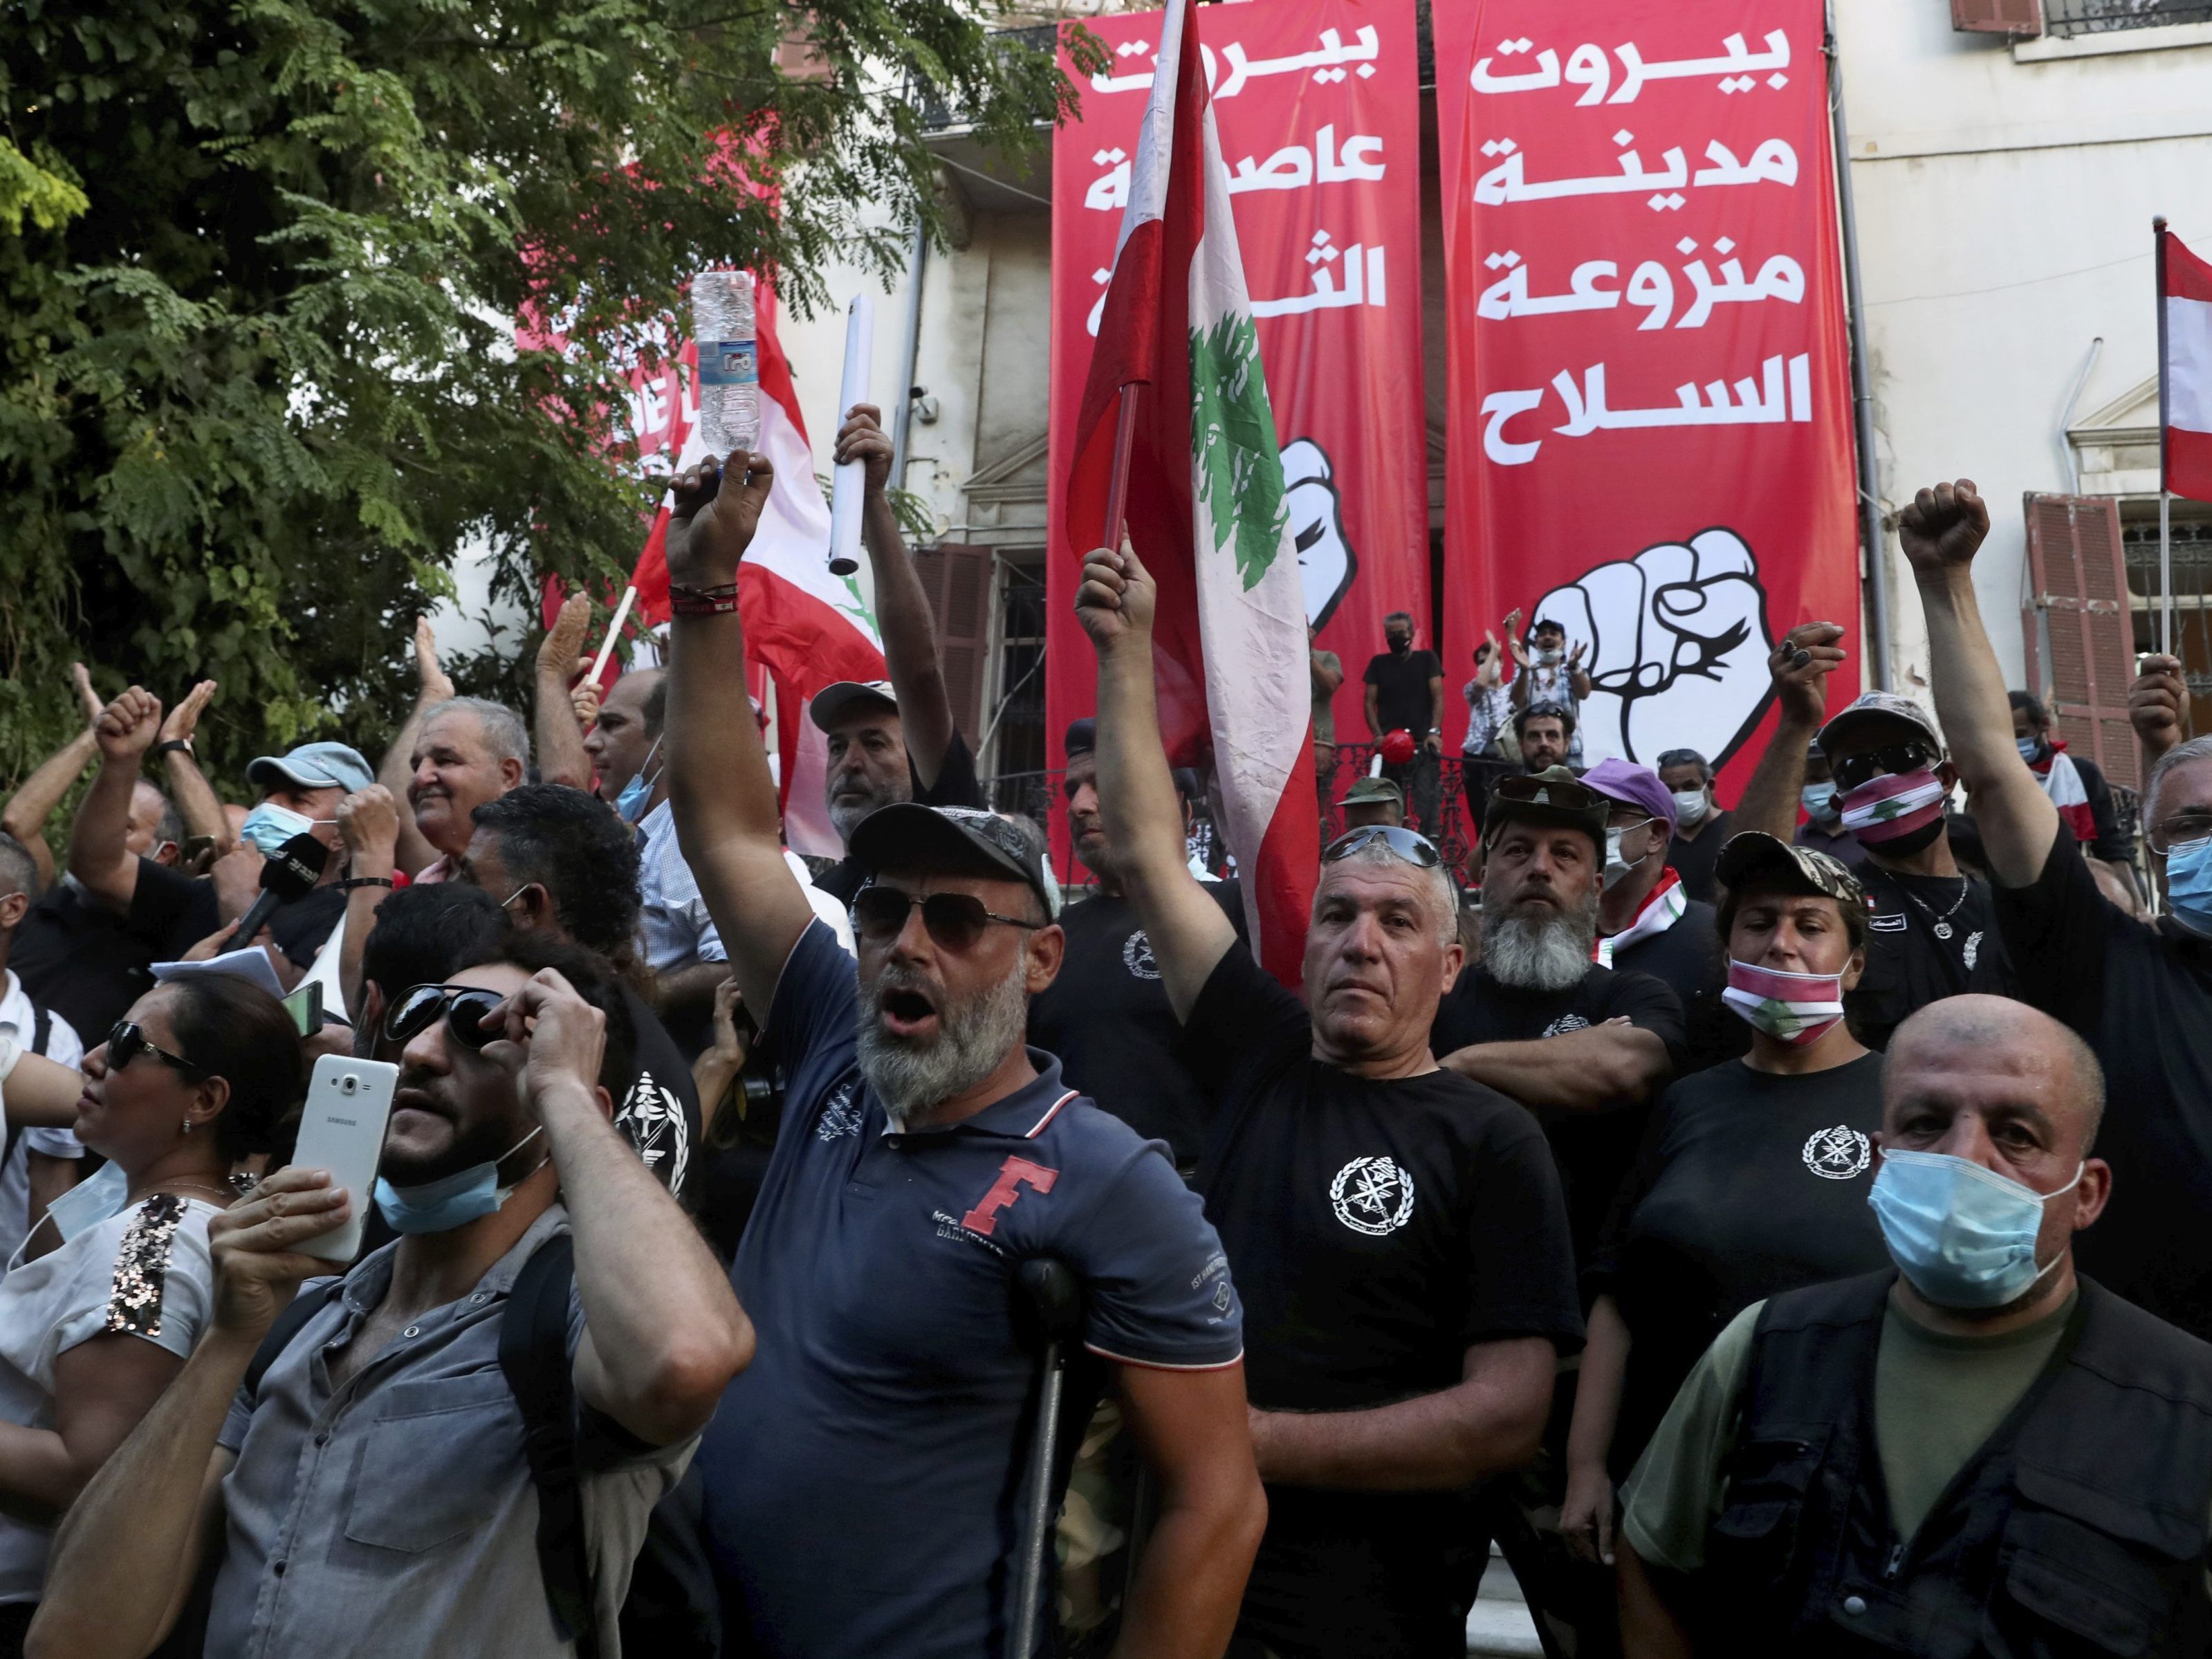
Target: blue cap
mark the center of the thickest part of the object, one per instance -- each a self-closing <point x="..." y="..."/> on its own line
<point x="312" y="766"/>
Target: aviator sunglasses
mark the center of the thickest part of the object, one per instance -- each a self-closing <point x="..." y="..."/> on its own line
<point x="1412" y="848"/>
<point x="463" y="1006"/>
<point x="955" y="921"/>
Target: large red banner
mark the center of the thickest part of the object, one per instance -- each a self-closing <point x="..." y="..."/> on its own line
<point x="1650" y="421"/>
<point x="1317" y="105"/>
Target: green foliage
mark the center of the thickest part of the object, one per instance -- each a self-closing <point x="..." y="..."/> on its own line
<point x="259" y="261"/>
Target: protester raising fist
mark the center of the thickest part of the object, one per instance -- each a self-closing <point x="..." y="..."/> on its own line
<point x="1943" y="527"/>
<point x="709" y="529"/>
<point x="127" y="728"/>
<point x="1117" y="598"/>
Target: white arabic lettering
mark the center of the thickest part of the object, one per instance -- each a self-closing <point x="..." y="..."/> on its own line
<point x="1586" y="67"/>
<point x="1328" y="62"/>
<point x="1651" y="285"/>
<point x="1293" y="166"/>
<point x="1783" y="392"/>
<point x="1772" y="163"/>
<point x="1363" y="284"/>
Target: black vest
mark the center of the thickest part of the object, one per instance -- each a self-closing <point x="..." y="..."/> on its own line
<point x="2078" y="1530"/>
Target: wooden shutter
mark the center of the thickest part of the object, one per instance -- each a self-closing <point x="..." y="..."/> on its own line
<point x="2080" y="580"/>
<point x="957" y="580"/>
<point x="1997" y="17"/>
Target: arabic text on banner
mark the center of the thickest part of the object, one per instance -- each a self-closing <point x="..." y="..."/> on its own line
<point x="1317" y="107"/>
<point x="1649" y="434"/>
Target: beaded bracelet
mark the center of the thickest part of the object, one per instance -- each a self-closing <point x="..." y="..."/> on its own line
<point x="703" y="601"/>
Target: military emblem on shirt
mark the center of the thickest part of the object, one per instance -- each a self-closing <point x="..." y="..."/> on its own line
<point x="653" y="1119"/>
<point x="1564" y="1024"/>
<point x="1137" y="956"/>
<point x="1837" y="1154"/>
<point x="1372" y="1195"/>
<point x="841" y="1112"/>
<point x="1972" y="951"/>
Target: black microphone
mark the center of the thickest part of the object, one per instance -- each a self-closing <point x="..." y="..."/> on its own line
<point x="290" y="874"/>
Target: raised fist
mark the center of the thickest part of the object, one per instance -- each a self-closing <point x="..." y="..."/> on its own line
<point x="1676" y="647"/>
<point x="127" y="727"/>
<point x="716" y="512"/>
<point x="862" y="439"/>
<point x="2158" y="704"/>
<point x="1116" y="599"/>
<point x="1326" y="564"/>
<point x="1942" y="527"/>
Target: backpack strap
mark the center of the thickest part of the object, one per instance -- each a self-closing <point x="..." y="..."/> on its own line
<point x="533" y="1352"/>
<point x="305" y="1306"/>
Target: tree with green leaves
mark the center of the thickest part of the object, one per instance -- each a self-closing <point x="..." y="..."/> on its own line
<point x="261" y="262"/>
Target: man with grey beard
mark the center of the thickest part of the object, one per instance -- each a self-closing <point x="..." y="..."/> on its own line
<point x="1585" y="1049"/>
<point x="862" y="1490"/>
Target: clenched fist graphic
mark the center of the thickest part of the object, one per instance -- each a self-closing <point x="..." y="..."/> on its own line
<point x="1678" y="648"/>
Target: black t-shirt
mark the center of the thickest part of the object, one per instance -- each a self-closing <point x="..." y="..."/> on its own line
<point x="957" y="784"/>
<point x="1928" y="937"/>
<point x="1690" y="960"/>
<point x="80" y="959"/>
<point x="1403" y="701"/>
<point x="659" y="1111"/>
<point x="1593" y="1148"/>
<point x="2140" y="995"/>
<point x="171" y="912"/>
<point x="1377" y="1230"/>
<point x="1693" y="860"/>
<point x="1748" y="1184"/>
<point x="1107" y="1018"/>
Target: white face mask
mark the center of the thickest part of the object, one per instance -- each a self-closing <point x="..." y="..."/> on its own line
<point x="1691" y="806"/>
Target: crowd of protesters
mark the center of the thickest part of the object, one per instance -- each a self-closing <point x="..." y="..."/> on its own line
<point x="917" y="1254"/>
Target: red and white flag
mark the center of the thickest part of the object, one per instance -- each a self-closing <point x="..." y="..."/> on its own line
<point x="1206" y="509"/>
<point x="2184" y="289"/>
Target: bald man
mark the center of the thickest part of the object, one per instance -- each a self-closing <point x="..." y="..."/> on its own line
<point x="1980" y="1453"/>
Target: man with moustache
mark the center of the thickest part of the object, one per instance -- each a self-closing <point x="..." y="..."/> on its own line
<point x="1396" y="1230"/>
<point x="861" y="1479"/>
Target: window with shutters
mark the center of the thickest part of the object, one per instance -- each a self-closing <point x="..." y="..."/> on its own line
<point x="1998" y="16"/>
<point x="2081" y="624"/>
<point x="957" y="580"/>
<point x="1014" y="757"/>
<point x="2073" y="17"/>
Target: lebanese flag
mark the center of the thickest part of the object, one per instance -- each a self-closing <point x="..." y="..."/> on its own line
<point x="2184" y="287"/>
<point x="2062" y="782"/>
<point x="1206" y="507"/>
<point x="806" y="627"/>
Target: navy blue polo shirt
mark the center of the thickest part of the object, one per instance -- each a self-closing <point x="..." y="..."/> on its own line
<point x="863" y="1474"/>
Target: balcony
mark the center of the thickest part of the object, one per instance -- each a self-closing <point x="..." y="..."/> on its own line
<point x="2068" y="18"/>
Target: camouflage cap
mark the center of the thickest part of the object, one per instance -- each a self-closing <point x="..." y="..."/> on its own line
<point x="1755" y="857"/>
<point x="1871" y="705"/>
<point x="1371" y="792"/>
<point x="1553" y="796"/>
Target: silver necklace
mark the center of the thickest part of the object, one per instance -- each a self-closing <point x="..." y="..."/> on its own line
<point x="1941" y="927"/>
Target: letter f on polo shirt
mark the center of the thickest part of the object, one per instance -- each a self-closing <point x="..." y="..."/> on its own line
<point x="1016" y="1173"/>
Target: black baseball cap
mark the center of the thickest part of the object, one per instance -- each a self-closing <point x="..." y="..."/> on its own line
<point x="832" y="700"/>
<point x="960" y="840"/>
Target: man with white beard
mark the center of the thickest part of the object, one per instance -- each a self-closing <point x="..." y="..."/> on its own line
<point x="1586" y="1049"/>
<point x="862" y="1493"/>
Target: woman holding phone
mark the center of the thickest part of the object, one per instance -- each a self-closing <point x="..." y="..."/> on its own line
<point x="198" y="1076"/>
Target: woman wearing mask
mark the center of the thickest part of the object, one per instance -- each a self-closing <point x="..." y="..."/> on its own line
<point x="1752" y="1178"/>
<point x="195" y="1078"/>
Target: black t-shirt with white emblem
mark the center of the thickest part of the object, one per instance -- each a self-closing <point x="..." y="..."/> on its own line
<point x="1928" y="937"/>
<point x="1377" y="1230"/>
<point x="659" y="1111"/>
<point x="1748" y="1183"/>
<point x="1107" y="1018"/>
<point x="1690" y="960"/>
<point x="1593" y="1148"/>
<point x="2140" y="995"/>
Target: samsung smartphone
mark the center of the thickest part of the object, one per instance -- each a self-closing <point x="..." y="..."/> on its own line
<point x="341" y="1130"/>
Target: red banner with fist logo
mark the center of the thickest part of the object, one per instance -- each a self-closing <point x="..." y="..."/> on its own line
<point x="1318" y="108"/>
<point x="1650" y="429"/>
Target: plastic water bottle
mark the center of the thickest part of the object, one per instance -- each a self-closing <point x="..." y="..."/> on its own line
<point x="729" y="367"/>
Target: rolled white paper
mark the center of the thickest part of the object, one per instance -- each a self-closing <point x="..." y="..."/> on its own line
<point x="614" y="633"/>
<point x="848" y="490"/>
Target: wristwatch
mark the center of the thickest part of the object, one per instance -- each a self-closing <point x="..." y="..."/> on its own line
<point x="182" y="745"/>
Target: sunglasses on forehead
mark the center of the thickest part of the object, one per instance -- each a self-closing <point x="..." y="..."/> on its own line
<point x="955" y="921"/>
<point x="1550" y="792"/>
<point x="464" y="1006"/>
<point x="1403" y="843"/>
<point x="128" y="1040"/>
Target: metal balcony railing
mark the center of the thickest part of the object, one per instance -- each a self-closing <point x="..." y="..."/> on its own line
<point x="937" y="114"/>
<point x="2070" y="17"/>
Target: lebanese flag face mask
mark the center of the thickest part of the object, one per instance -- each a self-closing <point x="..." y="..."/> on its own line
<point x="1794" y="1008"/>
<point x="1893" y="803"/>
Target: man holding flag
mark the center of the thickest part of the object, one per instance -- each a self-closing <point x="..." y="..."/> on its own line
<point x="1176" y="422"/>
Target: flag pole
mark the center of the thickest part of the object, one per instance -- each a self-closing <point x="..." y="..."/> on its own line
<point x="1117" y="483"/>
<point x="2164" y="496"/>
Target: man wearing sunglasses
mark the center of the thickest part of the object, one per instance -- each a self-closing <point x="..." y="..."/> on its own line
<point x="2139" y="992"/>
<point x="373" y="1478"/>
<point x="1396" y="1230"/>
<point x="860" y="1478"/>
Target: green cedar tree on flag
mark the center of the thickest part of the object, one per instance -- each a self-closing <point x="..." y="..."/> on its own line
<point x="1206" y="509"/>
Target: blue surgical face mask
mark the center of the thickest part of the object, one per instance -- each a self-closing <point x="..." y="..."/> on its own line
<point x="439" y="1206"/>
<point x="2189" y="884"/>
<point x="629" y="806"/>
<point x="1819" y="800"/>
<point x="1962" y="1234"/>
<point x="269" y="826"/>
<point x="2029" y="747"/>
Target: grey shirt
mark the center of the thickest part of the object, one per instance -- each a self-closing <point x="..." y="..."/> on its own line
<point x="400" y="1504"/>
